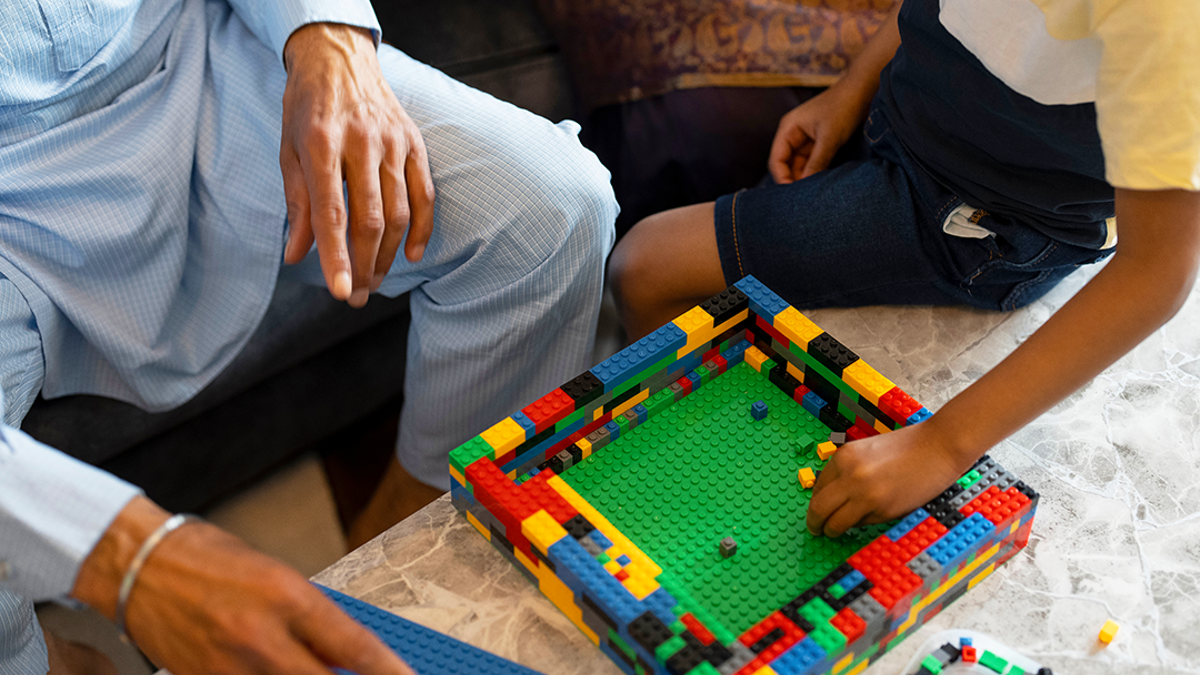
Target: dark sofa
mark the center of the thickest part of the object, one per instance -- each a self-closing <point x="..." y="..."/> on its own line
<point x="314" y="365"/>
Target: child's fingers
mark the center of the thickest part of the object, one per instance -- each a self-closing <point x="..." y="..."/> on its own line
<point x="822" y="154"/>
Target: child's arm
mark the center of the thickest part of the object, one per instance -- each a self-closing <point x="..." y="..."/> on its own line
<point x="1144" y="285"/>
<point x="810" y="135"/>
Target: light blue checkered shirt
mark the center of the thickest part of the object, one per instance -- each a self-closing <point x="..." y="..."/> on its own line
<point x="123" y="126"/>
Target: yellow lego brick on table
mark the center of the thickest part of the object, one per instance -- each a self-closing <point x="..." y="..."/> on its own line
<point x="504" y="435"/>
<point x="1109" y="631"/>
<point x="796" y="327"/>
<point x="825" y="450"/>
<point x="542" y="530"/>
<point x="867" y="381"/>
<point x="755" y="357"/>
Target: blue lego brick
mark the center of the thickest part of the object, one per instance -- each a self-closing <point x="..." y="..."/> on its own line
<point x="919" y="416"/>
<point x="851" y="580"/>
<point x="812" y="403"/>
<point x="759" y="410"/>
<point x="660" y="603"/>
<point x="623" y="560"/>
<point x="427" y="651"/>
<point x="799" y="658"/>
<point x="583" y="573"/>
<point x="642" y="414"/>
<point x="640" y="355"/>
<point x="950" y="548"/>
<point x="526" y="424"/>
<point x="614" y="431"/>
<point x="602" y="541"/>
<point x="696" y="380"/>
<point x="736" y="354"/>
<point x="909" y="522"/>
<point x="763" y="300"/>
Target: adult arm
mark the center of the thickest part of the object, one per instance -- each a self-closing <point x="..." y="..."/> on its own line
<point x="811" y="134"/>
<point x="1150" y="275"/>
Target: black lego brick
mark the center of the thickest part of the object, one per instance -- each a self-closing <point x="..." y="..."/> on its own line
<point x="833" y="419"/>
<point x="648" y="631"/>
<point x="830" y="353"/>
<point x="684" y="660"/>
<point x="821" y="387"/>
<point x="725" y="305"/>
<point x="578" y="527"/>
<point x="584" y="389"/>
<point x="766" y="641"/>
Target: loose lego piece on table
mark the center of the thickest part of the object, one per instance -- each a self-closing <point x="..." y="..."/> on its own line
<point x="968" y="654"/>
<point x="825" y="450"/>
<point x="807" y="477"/>
<point x="758" y="410"/>
<point x="1109" y="631"/>
<point x="728" y="547"/>
<point x="993" y="662"/>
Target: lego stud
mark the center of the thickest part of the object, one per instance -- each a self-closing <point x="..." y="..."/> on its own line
<point x="807" y="478"/>
<point x="758" y="410"/>
<point x="1109" y="631"/>
<point x="728" y="547"/>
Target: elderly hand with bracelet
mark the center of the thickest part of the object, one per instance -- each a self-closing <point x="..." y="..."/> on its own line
<point x="199" y="600"/>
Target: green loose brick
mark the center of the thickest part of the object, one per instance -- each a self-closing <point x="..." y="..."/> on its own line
<point x="993" y="662"/>
<point x="931" y="664"/>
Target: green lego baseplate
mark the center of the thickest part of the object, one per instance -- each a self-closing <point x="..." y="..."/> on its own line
<point x="659" y="501"/>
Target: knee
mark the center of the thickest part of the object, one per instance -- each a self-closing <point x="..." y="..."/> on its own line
<point x="580" y="189"/>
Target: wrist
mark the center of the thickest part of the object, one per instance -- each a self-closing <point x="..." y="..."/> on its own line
<point x="99" y="580"/>
<point x="321" y="40"/>
<point x="953" y="441"/>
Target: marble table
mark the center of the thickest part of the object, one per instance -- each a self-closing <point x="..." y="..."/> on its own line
<point x="1117" y="533"/>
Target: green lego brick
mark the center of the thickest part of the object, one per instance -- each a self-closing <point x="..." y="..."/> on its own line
<point x="837" y="591"/>
<point x="569" y="420"/>
<point x="667" y="649"/>
<point x="470" y="452"/>
<point x="931" y="664"/>
<point x="659" y="402"/>
<point x="993" y="662"/>
<point x="638" y="669"/>
<point x="703" y="470"/>
<point x="1015" y="670"/>
<point x="846" y="411"/>
<point x="678" y="627"/>
<point x="830" y="638"/>
<point x="622" y="423"/>
<point x="704" y="668"/>
<point x="603" y="558"/>
<point x="705" y="376"/>
<point x="766" y="367"/>
<point x="817" y="612"/>
<point x="621" y="644"/>
<point x="970" y="479"/>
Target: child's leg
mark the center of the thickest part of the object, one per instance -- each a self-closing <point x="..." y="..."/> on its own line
<point x="665" y="265"/>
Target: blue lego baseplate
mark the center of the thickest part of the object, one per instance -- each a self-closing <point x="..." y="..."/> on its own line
<point x="427" y="651"/>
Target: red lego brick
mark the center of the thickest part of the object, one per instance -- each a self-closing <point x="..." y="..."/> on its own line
<point x="898" y="405"/>
<point x="722" y="364"/>
<point x="799" y="394"/>
<point x="882" y="561"/>
<point x="549" y="409"/>
<point x="686" y="384"/>
<point x="710" y="354"/>
<point x="968" y="654"/>
<point x="1021" y="537"/>
<point x="866" y="427"/>
<point x="855" y="434"/>
<point x="543" y="496"/>
<point x="698" y="629"/>
<point x="501" y="498"/>
<point x="770" y="330"/>
<point x="850" y="624"/>
<point x="920" y="538"/>
<point x="997" y="506"/>
<point x="621" y="575"/>
<point x="791" y="635"/>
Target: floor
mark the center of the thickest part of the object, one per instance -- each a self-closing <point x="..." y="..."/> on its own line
<point x="291" y="514"/>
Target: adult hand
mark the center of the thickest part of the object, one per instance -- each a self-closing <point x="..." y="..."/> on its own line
<point x="876" y="479"/>
<point x="341" y="122"/>
<point x="810" y="134"/>
<point x="205" y="602"/>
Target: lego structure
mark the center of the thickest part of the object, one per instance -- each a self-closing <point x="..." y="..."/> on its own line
<point x="656" y="499"/>
<point x="427" y="651"/>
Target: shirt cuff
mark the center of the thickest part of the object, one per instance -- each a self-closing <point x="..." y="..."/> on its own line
<point x="53" y="511"/>
<point x="274" y="22"/>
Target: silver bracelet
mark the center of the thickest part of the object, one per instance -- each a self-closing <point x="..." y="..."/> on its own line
<point x="139" y="559"/>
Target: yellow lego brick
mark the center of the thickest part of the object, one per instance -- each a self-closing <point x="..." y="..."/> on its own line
<point x="937" y="593"/>
<point x="867" y="381"/>
<point x="844" y="663"/>
<point x="621" y="409"/>
<point x="766" y="670"/>
<point x="796" y="327"/>
<point x="755" y="357"/>
<point x="807" y="477"/>
<point x="640" y="586"/>
<point x="704" y="335"/>
<point x="881" y="427"/>
<point x="586" y="446"/>
<point x="794" y="371"/>
<point x="981" y="576"/>
<point x="528" y="563"/>
<point x="1109" y="631"/>
<point x="612" y="566"/>
<point x="825" y="450"/>
<point x="458" y="477"/>
<point x="504" y="435"/>
<point x="598" y="413"/>
<point x="479" y="526"/>
<point x="542" y="530"/>
<point x="512" y="475"/>
<point x="642" y="564"/>
<point x="694" y="320"/>
<point x="862" y="665"/>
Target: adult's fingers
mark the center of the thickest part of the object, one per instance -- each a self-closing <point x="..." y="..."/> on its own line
<point x="420" y="197"/>
<point x="341" y="642"/>
<point x="300" y="234"/>
<point x="323" y="175"/>
<point x="367" y="222"/>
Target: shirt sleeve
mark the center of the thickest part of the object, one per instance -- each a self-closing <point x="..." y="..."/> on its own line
<point x="1148" y="92"/>
<point x="53" y="508"/>
<point x="274" y="22"/>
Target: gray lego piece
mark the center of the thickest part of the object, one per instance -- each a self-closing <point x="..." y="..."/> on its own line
<point x="590" y="546"/>
<point x="741" y="656"/>
<point x="925" y="567"/>
<point x="631" y="417"/>
<point x="677" y="390"/>
<point x="566" y="458"/>
<point x="599" y="438"/>
<point x="837" y="437"/>
<point x="728" y="547"/>
<point x="869" y="610"/>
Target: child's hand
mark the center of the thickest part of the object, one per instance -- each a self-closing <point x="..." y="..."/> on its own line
<point x="876" y="479"/>
<point x="811" y="133"/>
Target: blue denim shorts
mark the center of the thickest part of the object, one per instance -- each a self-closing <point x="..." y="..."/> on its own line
<point x="869" y="232"/>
